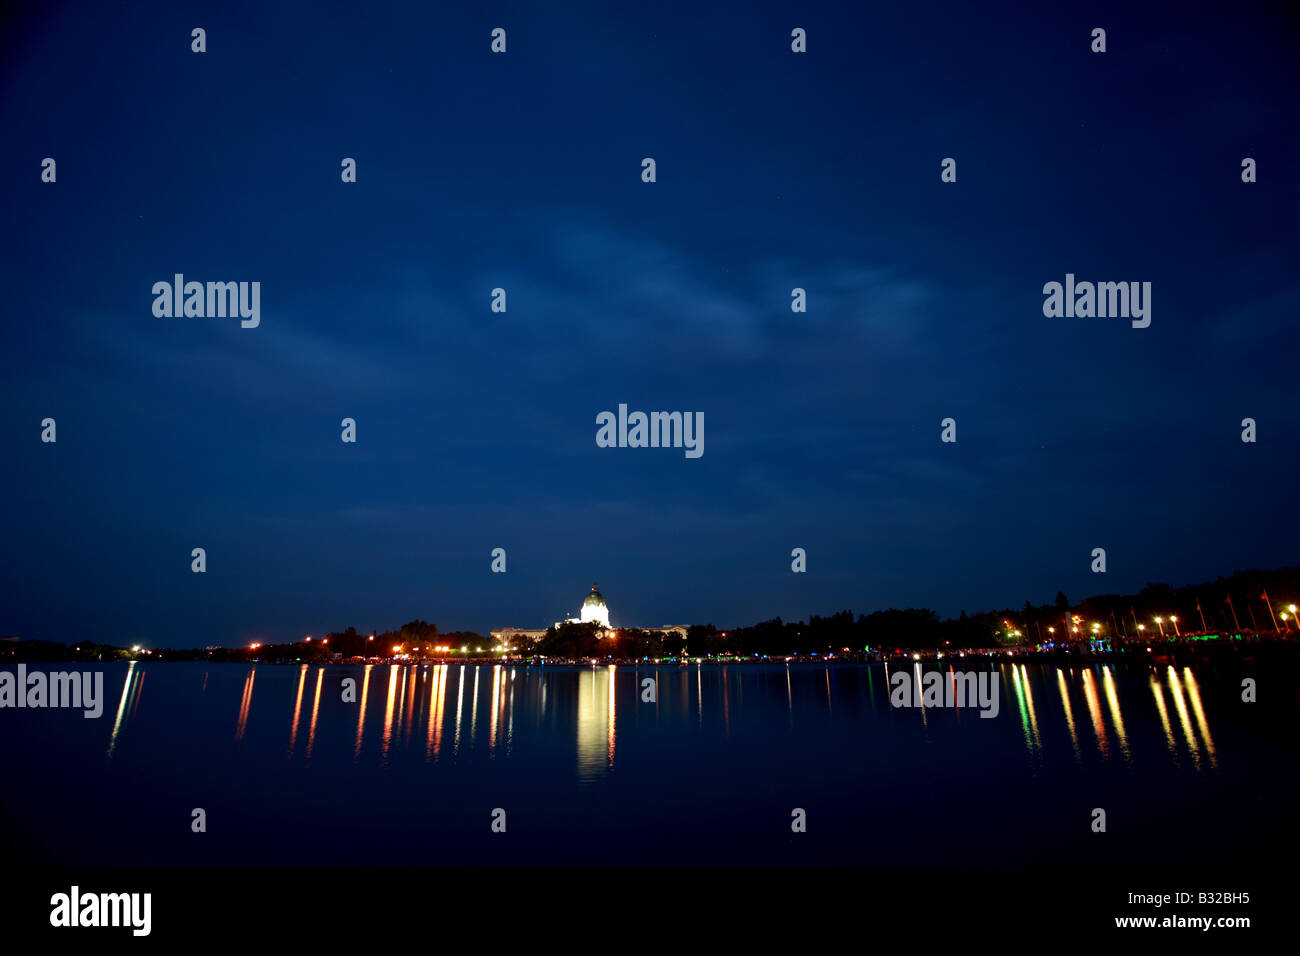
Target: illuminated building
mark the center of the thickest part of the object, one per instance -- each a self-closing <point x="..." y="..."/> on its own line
<point x="594" y="610"/>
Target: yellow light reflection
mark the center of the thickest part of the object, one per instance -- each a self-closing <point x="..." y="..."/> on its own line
<point x="1094" y="714"/>
<point x="408" y="684"/>
<point x="1163" y="711"/>
<point x="297" y="708"/>
<point x="496" y="699"/>
<point x="610" y="718"/>
<point x="434" y="744"/>
<point x="315" y="709"/>
<point x="699" y="696"/>
<point x="387" y="736"/>
<point x="361" y="717"/>
<point x="1194" y="694"/>
<point x="1069" y="713"/>
<point x="1176" y="691"/>
<point x="1112" y="702"/>
<point x="593" y="724"/>
<point x="244" y="704"/>
<point x="473" y="711"/>
<point x="510" y="714"/>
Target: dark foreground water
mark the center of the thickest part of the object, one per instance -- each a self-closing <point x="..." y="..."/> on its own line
<point x="588" y="772"/>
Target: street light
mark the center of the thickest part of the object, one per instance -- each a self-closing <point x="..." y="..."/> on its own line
<point x="1160" y="622"/>
<point x="1177" y="633"/>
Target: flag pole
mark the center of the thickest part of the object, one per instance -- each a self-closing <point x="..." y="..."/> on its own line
<point x="1234" y="614"/>
<point x="1264" y="597"/>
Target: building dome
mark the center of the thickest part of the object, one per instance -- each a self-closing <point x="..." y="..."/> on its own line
<point x="595" y="609"/>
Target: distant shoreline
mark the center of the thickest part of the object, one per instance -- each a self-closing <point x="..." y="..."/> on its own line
<point x="1190" y="649"/>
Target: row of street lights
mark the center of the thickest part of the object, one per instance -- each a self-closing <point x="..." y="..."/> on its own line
<point x="1160" y="623"/>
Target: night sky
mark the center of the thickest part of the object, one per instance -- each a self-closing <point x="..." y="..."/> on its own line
<point x="476" y="429"/>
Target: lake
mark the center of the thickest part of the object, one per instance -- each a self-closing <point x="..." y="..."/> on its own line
<point x="588" y="772"/>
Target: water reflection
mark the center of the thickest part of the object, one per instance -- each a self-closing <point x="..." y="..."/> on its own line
<point x="1159" y="695"/>
<point x="1112" y="702"/>
<point x="595" y="722"/>
<point x="460" y="706"/>
<point x="439" y="694"/>
<point x="245" y="704"/>
<point x="1166" y="708"/>
<point x="127" y="685"/>
<point x="1025" y="699"/>
<point x="1194" y="693"/>
<point x="361" y="717"/>
<point x="473" y="710"/>
<point x="1176" y="692"/>
<point x="297" y="706"/>
<point x="1094" y="713"/>
<point x="1069" y="714"/>
<point x="496" y="699"/>
<point x="315" y="709"/>
<point x="394" y="671"/>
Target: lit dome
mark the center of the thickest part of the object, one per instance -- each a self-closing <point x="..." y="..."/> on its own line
<point x="595" y="609"/>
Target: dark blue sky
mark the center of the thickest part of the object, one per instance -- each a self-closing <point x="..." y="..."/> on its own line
<point x="775" y="170"/>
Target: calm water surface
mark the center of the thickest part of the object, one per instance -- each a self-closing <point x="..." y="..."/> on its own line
<point x="588" y="772"/>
